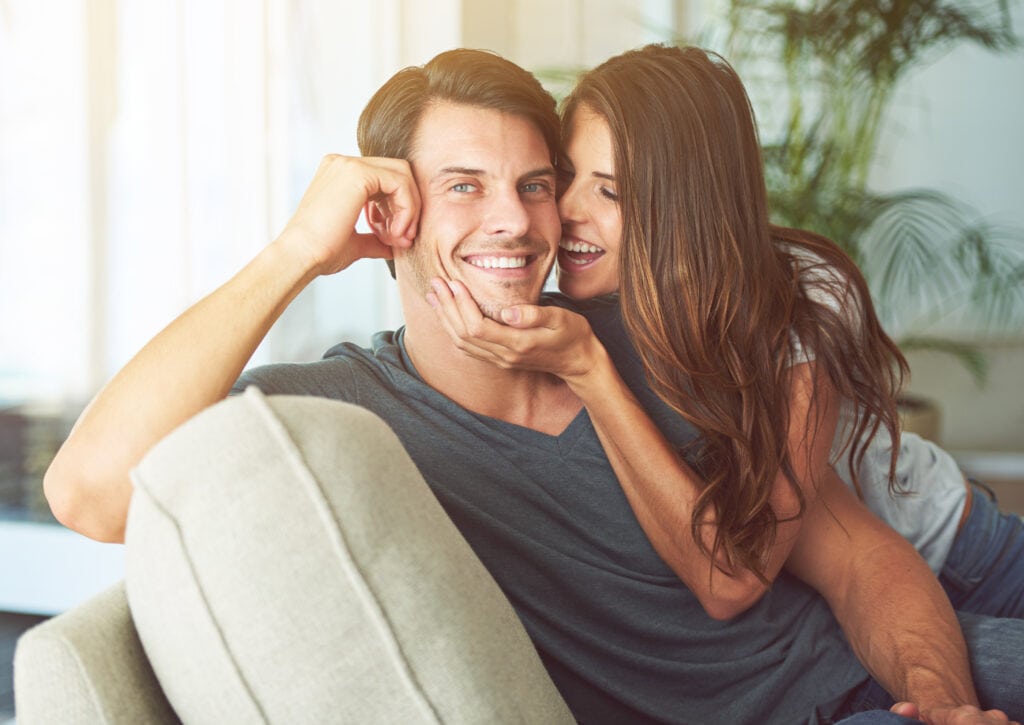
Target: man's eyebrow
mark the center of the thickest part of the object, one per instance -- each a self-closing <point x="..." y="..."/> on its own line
<point x="467" y="171"/>
<point x="463" y="170"/>
<point x="542" y="171"/>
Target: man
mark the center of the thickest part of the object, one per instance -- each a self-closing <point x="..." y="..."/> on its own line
<point x="511" y="454"/>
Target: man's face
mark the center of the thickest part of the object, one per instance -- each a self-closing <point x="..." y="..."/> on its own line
<point x="488" y="216"/>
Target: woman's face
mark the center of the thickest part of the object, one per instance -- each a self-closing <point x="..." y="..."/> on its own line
<point x="588" y="255"/>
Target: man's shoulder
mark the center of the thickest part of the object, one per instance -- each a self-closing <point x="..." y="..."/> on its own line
<point x="346" y="371"/>
<point x="603" y="313"/>
<point x="384" y="349"/>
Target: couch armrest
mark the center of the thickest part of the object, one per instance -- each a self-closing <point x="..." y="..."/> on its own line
<point x="87" y="666"/>
<point x="287" y="563"/>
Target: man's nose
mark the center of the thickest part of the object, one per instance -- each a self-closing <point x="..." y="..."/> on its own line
<point x="507" y="215"/>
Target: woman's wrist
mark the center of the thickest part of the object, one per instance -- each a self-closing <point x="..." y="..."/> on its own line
<point x="595" y="375"/>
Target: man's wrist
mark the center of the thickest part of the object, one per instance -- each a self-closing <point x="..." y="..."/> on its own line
<point x="930" y="689"/>
<point x="294" y="255"/>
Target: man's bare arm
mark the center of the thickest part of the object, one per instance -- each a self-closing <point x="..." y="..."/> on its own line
<point x="196" y="359"/>
<point x="890" y="605"/>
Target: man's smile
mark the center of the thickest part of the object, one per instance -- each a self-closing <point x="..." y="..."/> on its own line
<point x="499" y="261"/>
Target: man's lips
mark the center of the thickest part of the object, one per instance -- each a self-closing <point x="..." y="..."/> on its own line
<point x="577" y="252"/>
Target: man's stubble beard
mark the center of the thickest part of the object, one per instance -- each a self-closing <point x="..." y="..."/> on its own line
<point x="421" y="272"/>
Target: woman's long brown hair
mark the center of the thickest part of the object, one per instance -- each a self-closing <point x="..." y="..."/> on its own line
<point x="711" y="292"/>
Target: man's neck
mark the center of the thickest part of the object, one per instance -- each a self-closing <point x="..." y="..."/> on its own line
<point x="535" y="400"/>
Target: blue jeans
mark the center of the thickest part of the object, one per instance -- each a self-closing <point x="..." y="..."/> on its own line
<point x="995" y="647"/>
<point x="984" y="572"/>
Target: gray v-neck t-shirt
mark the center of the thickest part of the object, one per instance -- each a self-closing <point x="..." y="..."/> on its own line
<point x="622" y="637"/>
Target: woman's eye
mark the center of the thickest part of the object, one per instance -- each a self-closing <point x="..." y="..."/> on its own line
<point x="609" y="194"/>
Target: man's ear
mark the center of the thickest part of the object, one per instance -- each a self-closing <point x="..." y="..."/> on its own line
<point x="378" y="220"/>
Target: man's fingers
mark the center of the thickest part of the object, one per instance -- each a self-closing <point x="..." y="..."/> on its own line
<point x="906" y="709"/>
<point x="964" y="715"/>
<point x="404" y="209"/>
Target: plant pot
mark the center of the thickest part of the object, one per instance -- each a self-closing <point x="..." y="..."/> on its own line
<point x="920" y="415"/>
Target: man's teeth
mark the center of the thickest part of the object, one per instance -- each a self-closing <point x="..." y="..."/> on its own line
<point x="498" y="262"/>
<point x="570" y="246"/>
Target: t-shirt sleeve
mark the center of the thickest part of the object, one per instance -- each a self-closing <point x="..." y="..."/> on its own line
<point x="826" y="287"/>
<point x="330" y="378"/>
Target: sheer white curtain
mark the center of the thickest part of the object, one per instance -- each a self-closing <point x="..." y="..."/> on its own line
<point x="148" y="150"/>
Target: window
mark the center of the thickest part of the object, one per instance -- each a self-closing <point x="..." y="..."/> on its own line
<point x="148" y="150"/>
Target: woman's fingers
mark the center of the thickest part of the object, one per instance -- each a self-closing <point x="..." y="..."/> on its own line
<point x="460" y="320"/>
<point x="471" y="331"/>
<point x="530" y="337"/>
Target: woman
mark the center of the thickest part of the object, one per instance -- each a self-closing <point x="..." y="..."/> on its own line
<point x="764" y="338"/>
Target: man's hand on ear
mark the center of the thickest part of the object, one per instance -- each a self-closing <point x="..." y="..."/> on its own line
<point x="323" y="225"/>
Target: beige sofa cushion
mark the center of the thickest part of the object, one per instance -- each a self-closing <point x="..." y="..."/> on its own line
<point x="86" y="667"/>
<point x="287" y="563"/>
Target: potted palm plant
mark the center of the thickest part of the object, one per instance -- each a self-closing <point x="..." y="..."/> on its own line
<point x="829" y="69"/>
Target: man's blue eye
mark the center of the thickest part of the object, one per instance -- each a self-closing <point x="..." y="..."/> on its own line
<point x="463" y="187"/>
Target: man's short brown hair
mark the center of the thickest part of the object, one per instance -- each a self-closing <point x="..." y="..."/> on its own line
<point x="387" y="126"/>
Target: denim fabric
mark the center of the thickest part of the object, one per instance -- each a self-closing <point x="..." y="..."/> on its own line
<point x="994" y="645"/>
<point x="984" y="572"/>
<point x="867" y="701"/>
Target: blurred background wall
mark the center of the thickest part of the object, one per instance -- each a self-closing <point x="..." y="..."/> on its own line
<point x="147" y="150"/>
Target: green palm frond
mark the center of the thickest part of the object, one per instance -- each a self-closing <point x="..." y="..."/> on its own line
<point x="558" y="81"/>
<point x="929" y="258"/>
<point x="969" y="355"/>
<point x="825" y="71"/>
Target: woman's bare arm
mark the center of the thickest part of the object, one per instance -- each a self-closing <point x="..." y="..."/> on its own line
<point x="661" y="487"/>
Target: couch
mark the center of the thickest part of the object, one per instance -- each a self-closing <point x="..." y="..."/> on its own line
<point x="285" y="562"/>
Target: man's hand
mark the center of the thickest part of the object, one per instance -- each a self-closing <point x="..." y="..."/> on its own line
<point x="965" y="715"/>
<point x="323" y="226"/>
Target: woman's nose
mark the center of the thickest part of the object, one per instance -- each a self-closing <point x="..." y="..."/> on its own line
<point x="568" y="204"/>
